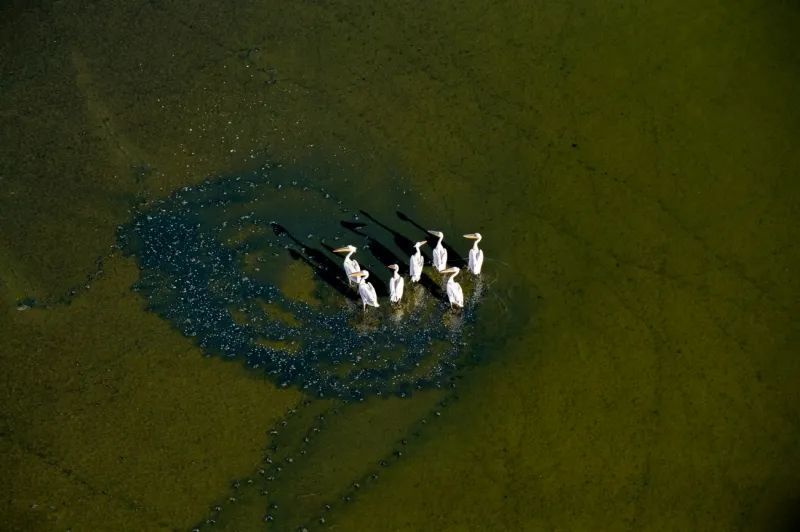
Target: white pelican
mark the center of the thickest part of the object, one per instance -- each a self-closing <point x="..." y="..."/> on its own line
<point x="415" y="265"/>
<point x="475" y="254"/>
<point x="396" y="284"/>
<point x="351" y="266"/>
<point x="365" y="289"/>
<point x="454" y="292"/>
<point x="439" y="253"/>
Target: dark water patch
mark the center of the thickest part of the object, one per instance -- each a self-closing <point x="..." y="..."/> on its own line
<point x="213" y="256"/>
<point x="785" y="516"/>
<point x="244" y="265"/>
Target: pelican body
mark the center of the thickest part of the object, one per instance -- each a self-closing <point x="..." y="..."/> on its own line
<point x="475" y="262"/>
<point x="351" y="266"/>
<point x="365" y="289"/>
<point x="454" y="292"/>
<point x="416" y="263"/>
<point x="396" y="284"/>
<point x="439" y="253"/>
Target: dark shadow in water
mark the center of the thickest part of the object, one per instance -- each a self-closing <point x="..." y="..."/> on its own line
<point x="786" y="517"/>
<point x="453" y="257"/>
<point x="384" y="255"/>
<point x="400" y="240"/>
<point x="430" y="285"/>
<point x="325" y="268"/>
<point x="332" y="280"/>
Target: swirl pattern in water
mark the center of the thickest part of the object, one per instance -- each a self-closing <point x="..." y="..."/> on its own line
<point x="244" y="265"/>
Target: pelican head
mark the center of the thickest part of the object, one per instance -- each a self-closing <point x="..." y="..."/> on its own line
<point x="420" y="243"/>
<point x="394" y="267"/>
<point x="473" y="236"/>
<point x="363" y="274"/>
<point x="438" y="234"/>
<point x="347" y="249"/>
<point x="452" y="269"/>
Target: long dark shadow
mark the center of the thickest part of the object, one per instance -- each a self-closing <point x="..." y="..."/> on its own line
<point x="400" y="240"/>
<point x="426" y="251"/>
<point x="379" y="285"/>
<point x="383" y="254"/>
<point x="453" y="256"/>
<point x="431" y="286"/>
<point x="327" y="270"/>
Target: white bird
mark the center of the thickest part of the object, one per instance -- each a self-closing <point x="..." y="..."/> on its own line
<point x="365" y="289"/>
<point x="439" y="253"/>
<point x="396" y="284"/>
<point x="415" y="265"/>
<point x="454" y="292"/>
<point x="351" y="266"/>
<point x="475" y="254"/>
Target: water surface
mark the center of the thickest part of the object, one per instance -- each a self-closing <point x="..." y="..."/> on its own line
<point x="631" y="167"/>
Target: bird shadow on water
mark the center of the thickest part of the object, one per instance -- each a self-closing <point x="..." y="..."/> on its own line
<point x="324" y="268"/>
<point x="213" y="257"/>
<point x="454" y="256"/>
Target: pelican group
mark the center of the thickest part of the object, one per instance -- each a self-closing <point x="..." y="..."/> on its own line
<point x="455" y="293"/>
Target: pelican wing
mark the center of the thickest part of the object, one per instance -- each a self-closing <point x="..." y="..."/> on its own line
<point x="475" y="260"/>
<point x="455" y="294"/>
<point x="415" y="267"/>
<point x="440" y="258"/>
<point x="368" y="295"/>
<point x="351" y="266"/>
<point x="396" y="288"/>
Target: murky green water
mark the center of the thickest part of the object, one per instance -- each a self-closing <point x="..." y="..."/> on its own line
<point x="631" y="167"/>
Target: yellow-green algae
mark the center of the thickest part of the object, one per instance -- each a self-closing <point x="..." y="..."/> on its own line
<point x="634" y="164"/>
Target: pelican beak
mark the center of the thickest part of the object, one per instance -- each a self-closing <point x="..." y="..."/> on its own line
<point x="341" y="250"/>
<point x="472" y="236"/>
<point x="422" y="242"/>
<point x="392" y="266"/>
<point x="357" y="274"/>
<point x="435" y="233"/>
<point x="452" y="269"/>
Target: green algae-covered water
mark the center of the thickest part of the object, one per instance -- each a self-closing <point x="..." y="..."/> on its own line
<point x="631" y="361"/>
